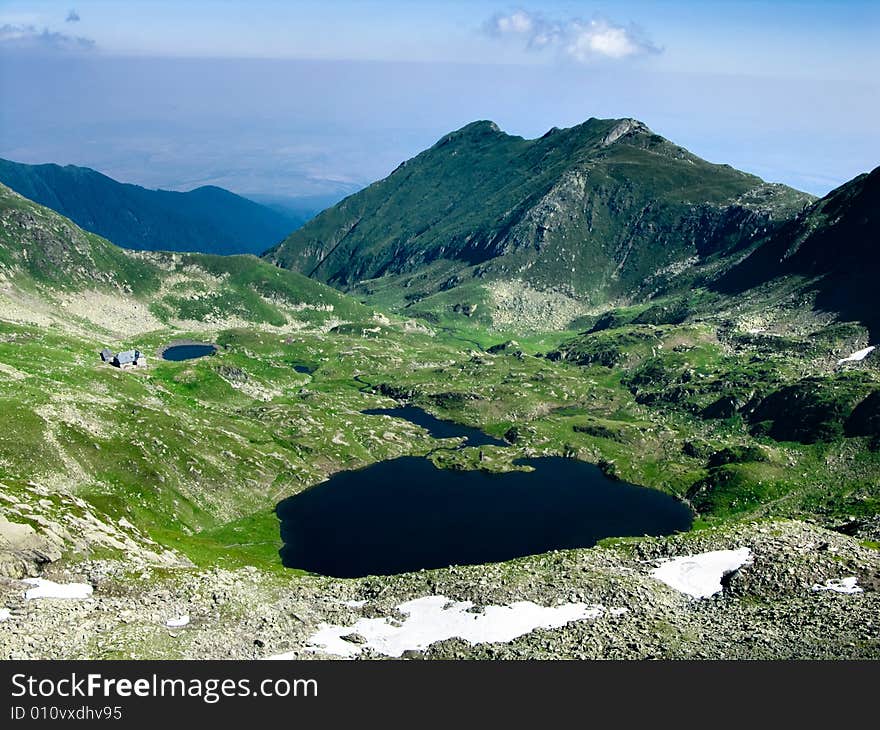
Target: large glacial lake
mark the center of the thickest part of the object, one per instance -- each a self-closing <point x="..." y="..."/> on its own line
<point x="405" y="514"/>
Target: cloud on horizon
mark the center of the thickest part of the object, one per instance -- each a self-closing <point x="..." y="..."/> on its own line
<point x="578" y="40"/>
<point x="72" y="16"/>
<point x="29" y="38"/>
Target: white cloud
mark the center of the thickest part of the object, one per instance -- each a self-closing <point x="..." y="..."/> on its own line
<point x="30" y="38"/>
<point x="534" y="28"/>
<point x="581" y="41"/>
<point x="598" y="37"/>
<point x="517" y="22"/>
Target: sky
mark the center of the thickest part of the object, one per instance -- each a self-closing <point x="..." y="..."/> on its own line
<point x="280" y="98"/>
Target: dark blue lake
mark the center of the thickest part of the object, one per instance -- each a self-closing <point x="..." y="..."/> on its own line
<point x="438" y="428"/>
<point x="187" y="352"/>
<point x="404" y="514"/>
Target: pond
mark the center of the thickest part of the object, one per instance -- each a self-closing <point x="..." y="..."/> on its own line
<point x="304" y="369"/>
<point x="188" y="351"/>
<point x="405" y="514"/>
<point x="438" y="428"/>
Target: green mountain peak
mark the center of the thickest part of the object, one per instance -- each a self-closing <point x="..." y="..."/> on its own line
<point x="592" y="212"/>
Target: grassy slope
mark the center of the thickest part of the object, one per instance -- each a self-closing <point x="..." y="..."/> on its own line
<point x="40" y="247"/>
<point x="44" y="253"/>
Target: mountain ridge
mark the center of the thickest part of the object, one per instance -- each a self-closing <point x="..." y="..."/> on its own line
<point x="53" y="271"/>
<point x="832" y="244"/>
<point x="207" y="219"/>
<point x="592" y="211"/>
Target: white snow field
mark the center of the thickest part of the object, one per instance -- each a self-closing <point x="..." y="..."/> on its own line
<point x="857" y="356"/>
<point x="48" y="589"/>
<point x="699" y="576"/>
<point x="434" y="618"/>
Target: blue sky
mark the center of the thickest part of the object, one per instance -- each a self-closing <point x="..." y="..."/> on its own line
<point x="293" y="98"/>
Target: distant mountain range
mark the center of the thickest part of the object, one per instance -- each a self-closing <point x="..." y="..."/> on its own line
<point x="529" y="234"/>
<point x="207" y="220"/>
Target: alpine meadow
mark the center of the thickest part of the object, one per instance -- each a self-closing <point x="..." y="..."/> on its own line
<point x="574" y="394"/>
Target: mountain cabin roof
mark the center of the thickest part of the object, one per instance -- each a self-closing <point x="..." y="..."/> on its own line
<point x="129" y="356"/>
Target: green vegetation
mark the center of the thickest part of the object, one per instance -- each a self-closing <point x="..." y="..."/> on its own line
<point x="736" y="404"/>
<point x="38" y="247"/>
<point x="812" y="409"/>
<point x="207" y="219"/>
<point x="47" y="256"/>
<point x="599" y="211"/>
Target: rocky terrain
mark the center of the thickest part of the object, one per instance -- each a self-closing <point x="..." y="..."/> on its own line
<point x="39" y="526"/>
<point x="771" y="608"/>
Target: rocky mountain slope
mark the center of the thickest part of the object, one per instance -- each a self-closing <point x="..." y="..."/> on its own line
<point x="597" y="213"/>
<point x="207" y="220"/>
<point x="833" y="245"/>
<point x="53" y="271"/>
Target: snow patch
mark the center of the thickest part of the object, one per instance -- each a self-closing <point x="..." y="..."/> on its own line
<point x="178" y="622"/>
<point x="354" y="604"/>
<point x="699" y="576"/>
<point x="5" y="614"/>
<point x="840" y="585"/>
<point x="857" y="356"/>
<point x="48" y="589"/>
<point x="435" y="618"/>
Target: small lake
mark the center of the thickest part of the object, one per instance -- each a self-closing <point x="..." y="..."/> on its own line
<point x="438" y="428"/>
<point x="405" y="514"/>
<point x="304" y="369"/>
<point x="191" y="351"/>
